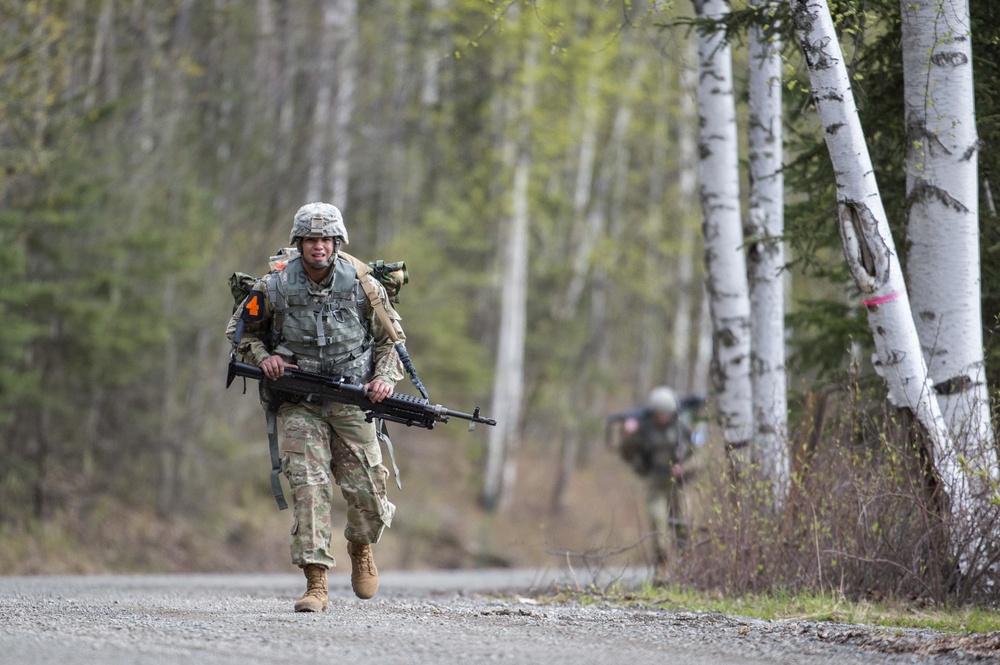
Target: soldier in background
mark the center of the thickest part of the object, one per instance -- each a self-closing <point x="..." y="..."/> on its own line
<point x="657" y="443"/>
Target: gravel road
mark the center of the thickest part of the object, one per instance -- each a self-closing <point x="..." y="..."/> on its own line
<point x="433" y="618"/>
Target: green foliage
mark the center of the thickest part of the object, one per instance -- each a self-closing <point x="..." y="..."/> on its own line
<point x="449" y="271"/>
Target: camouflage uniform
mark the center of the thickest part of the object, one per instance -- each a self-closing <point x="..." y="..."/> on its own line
<point x="322" y="444"/>
<point x="653" y="450"/>
<point x="318" y="450"/>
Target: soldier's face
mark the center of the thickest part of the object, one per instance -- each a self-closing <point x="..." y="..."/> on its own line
<point x="318" y="250"/>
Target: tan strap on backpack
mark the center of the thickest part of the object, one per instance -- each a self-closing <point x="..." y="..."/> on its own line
<point x="374" y="296"/>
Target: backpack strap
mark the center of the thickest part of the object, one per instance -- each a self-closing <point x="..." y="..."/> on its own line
<point x="375" y="298"/>
<point x="373" y="294"/>
<point x="378" y="304"/>
<point x="276" y="294"/>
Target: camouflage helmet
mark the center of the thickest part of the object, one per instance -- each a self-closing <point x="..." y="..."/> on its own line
<point x="662" y="400"/>
<point x="318" y="220"/>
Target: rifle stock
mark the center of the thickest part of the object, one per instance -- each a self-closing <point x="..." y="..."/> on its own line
<point x="398" y="408"/>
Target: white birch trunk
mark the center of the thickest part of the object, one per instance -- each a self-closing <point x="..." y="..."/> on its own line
<point x="701" y="367"/>
<point x="346" y="35"/>
<point x="943" y="267"/>
<point x="318" y="154"/>
<point x="102" y="33"/>
<point x="286" y="84"/>
<point x="430" y="89"/>
<point x="596" y="219"/>
<point x="868" y="245"/>
<point x="649" y="357"/>
<point x="508" y="384"/>
<point x="397" y="147"/>
<point x="584" y="241"/>
<point x="766" y="259"/>
<point x="725" y="264"/>
<point x="266" y="63"/>
<point x="687" y="192"/>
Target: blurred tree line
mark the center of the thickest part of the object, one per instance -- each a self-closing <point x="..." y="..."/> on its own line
<point x="149" y="148"/>
<point x="152" y="147"/>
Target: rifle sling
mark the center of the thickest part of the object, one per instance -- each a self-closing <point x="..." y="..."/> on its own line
<point x="272" y="441"/>
<point x="382" y="433"/>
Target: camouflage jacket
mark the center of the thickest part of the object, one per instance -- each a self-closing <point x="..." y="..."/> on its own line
<point x="654" y="449"/>
<point x="263" y="333"/>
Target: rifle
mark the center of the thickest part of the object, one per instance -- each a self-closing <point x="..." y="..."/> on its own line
<point x="692" y="403"/>
<point x="398" y="407"/>
<point x="616" y="418"/>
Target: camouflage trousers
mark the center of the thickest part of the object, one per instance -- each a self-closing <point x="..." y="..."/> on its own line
<point x="322" y="445"/>
<point x="665" y="506"/>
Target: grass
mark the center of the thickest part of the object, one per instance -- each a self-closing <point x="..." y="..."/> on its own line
<point x="832" y="608"/>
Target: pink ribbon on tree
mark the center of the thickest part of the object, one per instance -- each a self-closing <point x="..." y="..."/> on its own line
<point x="889" y="297"/>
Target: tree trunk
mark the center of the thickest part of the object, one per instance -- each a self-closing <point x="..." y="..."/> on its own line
<point x="943" y="219"/>
<point x="102" y="35"/>
<point x="609" y="194"/>
<point x="432" y="52"/>
<point x="702" y="365"/>
<point x="766" y="258"/>
<point x="869" y="248"/>
<point x="502" y="443"/>
<point x="399" y="148"/>
<point x="169" y="437"/>
<point x="582" y="231"/>
<point x="267" y="63"/>
<point x="687" y="150"/>
<point x="319" y="156"/>
<point x="286" y="97"/>
<point x="725" y="263"/>
<point x="345" y="30"/>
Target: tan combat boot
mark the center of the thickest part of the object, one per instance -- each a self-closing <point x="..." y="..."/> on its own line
<point x="315" y="598"/>
<point x="364" y="574"/>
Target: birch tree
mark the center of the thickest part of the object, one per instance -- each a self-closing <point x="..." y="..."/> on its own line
<point x="602" y="222"/>
<point x="582" y="229"/>
<point x="502" y="442"/>
<point x="725" y="263"/>
<point x="942" y="151"/>
<point x="687" y="191"/>
<point x="871" y="254"/>
<point x="318" y="153"/>
<point x="649" y="353"/>
<point x="766" y="255"/>
<point x="346" y="35"/>
<point x="587" y="204"/>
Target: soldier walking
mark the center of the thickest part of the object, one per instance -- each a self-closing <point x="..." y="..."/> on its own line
<point x="313" y="315"/>
<point x="657" y="444"/>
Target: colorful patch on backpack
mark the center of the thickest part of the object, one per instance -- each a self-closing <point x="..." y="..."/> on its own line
<point x="253" y="307"/>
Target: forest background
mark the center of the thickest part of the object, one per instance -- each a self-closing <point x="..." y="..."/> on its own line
<point x="150" y="148"/>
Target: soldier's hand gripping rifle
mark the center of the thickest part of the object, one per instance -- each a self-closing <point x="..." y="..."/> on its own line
<point x="398" y="408"/>
<point x="616" y="419"/>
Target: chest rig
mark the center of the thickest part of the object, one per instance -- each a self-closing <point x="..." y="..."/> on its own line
<point x="322" y="327"/>
<point x="664" y="446"/>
